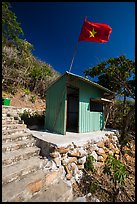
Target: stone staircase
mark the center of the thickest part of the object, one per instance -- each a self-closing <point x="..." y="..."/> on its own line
<point x="25" y="174"/>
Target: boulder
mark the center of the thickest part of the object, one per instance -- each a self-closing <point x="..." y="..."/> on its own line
<point x="51" y="165"/>
<point x="100" y="151"/>
<point x="111" y="152"/>
<point x="115" y="139"/>
<point x="82" y="152"/>
<point x="67" y="169"/>
<point x="110" y="136"/>
<point x="106" y="149"/>
<point x="78" y="176"/>
<point x="100" y="144"/>
<point x="74" y="153"/>
<point x="68" y="160"/>
<point x="100" y="159"/>
<point x="81" y="160"/>
<point x="57" y="161"/>
<point x="116" y="151"/>
<point x="104" y="156"/>
<point x="54" y="154"/>
<point x="68" y="176"/>
<point x="72" y="159"/>
<point x="94" y="154"/>
<point x="80" y="166"/>
<point x="111" y="147"/>
<point x="74" y="169"/>
<point x="127" y="157"/>
<point x="64" y="162"/>
<point x="117" y="156"/>
<point x="62" y="150"/>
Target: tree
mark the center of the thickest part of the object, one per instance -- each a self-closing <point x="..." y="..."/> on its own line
<point x="11" y="29"/>
<point x="19" y="67"/>
<point x="118" y="75"/>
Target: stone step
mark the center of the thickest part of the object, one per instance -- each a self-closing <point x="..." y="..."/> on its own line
<point x="12" y="132"/>
<point x="14" y="115"/>
<point x="7" y="122"/>
<point x="10" y="117"/>
<point x="13" y="126"/>
<point x="14" y="110"/>
<point x="6" y="109"/>
<point x="10" y="158"/>
<point x="27" y="187"/>
<point x="20" y="170"/>
<point x="9" y="110"/>
<point x="11" y="146"/>
<point x="58" y="192"/>
<point x="17" y="137"/>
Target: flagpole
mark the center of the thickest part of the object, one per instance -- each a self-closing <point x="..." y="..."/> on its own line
<point x="75" y="51"/>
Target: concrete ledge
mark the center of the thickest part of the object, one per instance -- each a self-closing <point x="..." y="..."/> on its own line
<point x="77" y="138"/>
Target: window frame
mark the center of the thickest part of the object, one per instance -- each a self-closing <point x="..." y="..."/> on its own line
<point x="96" y="106"/>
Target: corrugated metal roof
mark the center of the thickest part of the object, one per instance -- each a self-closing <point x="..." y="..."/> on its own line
<point x="90" y="82"/>
<point x="85" y="80"/>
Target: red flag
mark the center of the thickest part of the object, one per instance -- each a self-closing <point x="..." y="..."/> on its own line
<point x="95" y="32"/>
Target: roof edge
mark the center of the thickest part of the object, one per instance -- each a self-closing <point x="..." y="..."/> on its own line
<point x="83" y="79"/>
<point x="91" y="82"/>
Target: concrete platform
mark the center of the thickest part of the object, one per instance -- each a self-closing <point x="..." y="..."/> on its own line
<point x="77" y="138"/>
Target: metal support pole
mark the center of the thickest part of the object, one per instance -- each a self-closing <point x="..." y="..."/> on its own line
<point x="75" y="50"/>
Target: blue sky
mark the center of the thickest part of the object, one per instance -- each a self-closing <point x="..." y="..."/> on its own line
<point x="54" y="27"/>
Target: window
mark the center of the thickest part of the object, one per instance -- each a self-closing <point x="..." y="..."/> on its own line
<point x="96" y="106"/>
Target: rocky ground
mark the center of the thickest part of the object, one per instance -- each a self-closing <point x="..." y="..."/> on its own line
<point x="97" y="185"/>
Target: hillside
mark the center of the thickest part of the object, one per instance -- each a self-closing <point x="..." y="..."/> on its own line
<point x="24" y="81"/>
<point x="22" y="70"/>
<point x="22" y="100"/>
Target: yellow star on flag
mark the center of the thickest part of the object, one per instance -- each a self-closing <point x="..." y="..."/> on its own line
<point x="92" y="33"/>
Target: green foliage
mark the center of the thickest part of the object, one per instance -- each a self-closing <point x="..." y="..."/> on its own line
<point x="93" y="187"/>
<point x="117" y="173"/>
<point x="118" y="112"/>
<point x="115" y="169"/>
<point x="33" y="99"/>
<point x="20" y="69"/>
<point x="116" y="74"/>
<point x="33" y="118"/>
<point x="89" y="164"/>
<point x="27" y="91"/>
<point x="39" y="70"/>
<point x="11" y="29"/>
<point x="25" y="71"/>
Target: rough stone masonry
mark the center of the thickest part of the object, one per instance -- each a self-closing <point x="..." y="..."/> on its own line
<point x="73" y="157"/>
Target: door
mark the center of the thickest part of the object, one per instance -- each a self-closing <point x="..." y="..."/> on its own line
<point x="72" y="109"/>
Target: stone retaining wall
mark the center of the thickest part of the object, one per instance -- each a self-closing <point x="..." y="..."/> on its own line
<point x="73" y="157"/>
<point x="18" y="109"/>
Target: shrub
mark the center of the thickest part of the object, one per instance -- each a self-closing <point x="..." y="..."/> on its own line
<point x="89" y="164"/>
<point x="33" y="99"/>
<point x="116" y="172"/>
<point x="33" y="118"/>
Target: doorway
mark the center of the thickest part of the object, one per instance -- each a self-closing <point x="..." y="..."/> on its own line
<point x="72" y="124"/>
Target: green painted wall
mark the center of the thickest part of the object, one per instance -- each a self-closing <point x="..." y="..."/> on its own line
<point x="88" y="121"/>
<point x="55" y="107"/>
